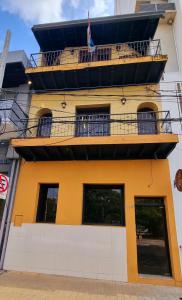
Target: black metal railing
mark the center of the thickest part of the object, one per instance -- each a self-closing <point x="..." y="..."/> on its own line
<point x="100" y="125"/>
<point x="102" y="53"/>
<point x="11" y="112"/>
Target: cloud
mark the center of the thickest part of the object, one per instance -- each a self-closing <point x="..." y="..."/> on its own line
<point x="75" y="3"/>
<point x="101" y="8"/>
<point x="47" y="11"/>
<point x="35" y="11"/>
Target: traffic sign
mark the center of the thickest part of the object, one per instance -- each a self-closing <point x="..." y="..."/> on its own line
<point x="4" y="184"/>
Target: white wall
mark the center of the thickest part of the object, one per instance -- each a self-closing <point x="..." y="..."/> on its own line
<point x="83" y="251"/>
<point x="122" y="7"/>
<point x="165" y="34"/>
<point x="175" y="158"/>
<point x="177" y="30"/>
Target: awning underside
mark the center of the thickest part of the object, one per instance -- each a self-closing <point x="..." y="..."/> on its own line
<point x="107" y="30"/>
<point x="96" y="152"/>
<point x="14" y="75"/>
<point x="117" y="75"/>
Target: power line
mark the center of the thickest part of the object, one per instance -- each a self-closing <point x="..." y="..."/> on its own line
<point x="170" y="120"/>
<point x="95" y="87"/>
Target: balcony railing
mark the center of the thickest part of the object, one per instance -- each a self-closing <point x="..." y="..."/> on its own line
<point x="102" y="53"/>
<point x="11" y="112"/>
<point x="100" y="125"/>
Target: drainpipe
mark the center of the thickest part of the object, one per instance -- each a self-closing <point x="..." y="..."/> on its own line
<point x="6" y="221"/>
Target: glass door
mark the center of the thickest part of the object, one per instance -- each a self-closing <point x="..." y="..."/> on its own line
<point x="93" y="122"/>
<point x="147" y="123"/>
<point x="152" y="239"/>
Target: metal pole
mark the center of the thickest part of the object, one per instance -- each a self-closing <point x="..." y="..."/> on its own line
<point x="4" y="55"/>
<point x="6" y="222"/>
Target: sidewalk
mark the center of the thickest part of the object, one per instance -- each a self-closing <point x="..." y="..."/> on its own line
<point x="25" y="286"/>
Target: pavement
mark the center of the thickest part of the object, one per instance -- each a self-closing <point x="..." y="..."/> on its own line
<point x="25" y="286"/>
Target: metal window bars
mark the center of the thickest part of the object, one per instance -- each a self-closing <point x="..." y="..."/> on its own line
<point x="90" y="125"/>
<point x="102" y="53"/>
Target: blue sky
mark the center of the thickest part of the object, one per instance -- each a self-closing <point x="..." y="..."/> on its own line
<point x="19" y="15"/>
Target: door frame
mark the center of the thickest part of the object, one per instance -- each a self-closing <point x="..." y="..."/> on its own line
<point x="132" y="263"/>
<point x="166" y="235"/>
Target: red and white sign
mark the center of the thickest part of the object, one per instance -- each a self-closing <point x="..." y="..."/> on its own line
<point x="4" y="183"/>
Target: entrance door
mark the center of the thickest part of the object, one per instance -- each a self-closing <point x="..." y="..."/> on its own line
<point x="152" y="239"/>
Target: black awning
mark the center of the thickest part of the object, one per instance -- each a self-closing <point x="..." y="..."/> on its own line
<point x="127" y="74"/>
<point x="105" y="30"/>
<point x="96" y="152"/>
<point x="14" y="75"/>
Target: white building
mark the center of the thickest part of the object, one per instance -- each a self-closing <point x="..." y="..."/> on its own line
<point x="169" y="32"/>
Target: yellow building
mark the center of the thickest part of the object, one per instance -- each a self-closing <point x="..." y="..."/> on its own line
<point x="94" y="194"/>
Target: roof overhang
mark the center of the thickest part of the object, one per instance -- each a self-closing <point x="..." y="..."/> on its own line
<point x="148" y="71"/>
<point x="14" y="75"/>
<point x="16" y="62"/>
<point x="105" y="30"/>
<point x="96" y="148"/>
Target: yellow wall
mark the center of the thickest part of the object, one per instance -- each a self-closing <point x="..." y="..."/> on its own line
<point x="141" y="178"/>
<point x="135" y="96"/>
<point x="71" y="55"/>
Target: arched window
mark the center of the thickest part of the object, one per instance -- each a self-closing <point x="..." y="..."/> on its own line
<point x="147" y="123"/>
<point x="44" y="125"/>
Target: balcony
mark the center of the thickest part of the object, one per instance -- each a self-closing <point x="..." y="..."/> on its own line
<point x="13" y="119"/>
<point x="131" y="63"/>
<point x="98" y="137"/>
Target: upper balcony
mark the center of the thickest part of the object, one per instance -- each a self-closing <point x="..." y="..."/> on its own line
<point x="131" y="63"/>
<point x="98" y="136"/>
<point x="13" y="120"/>
<point x="125" y="53"/>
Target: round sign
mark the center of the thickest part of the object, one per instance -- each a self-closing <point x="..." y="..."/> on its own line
<point x="178" y="180"/>
<point x="3" y="183"/>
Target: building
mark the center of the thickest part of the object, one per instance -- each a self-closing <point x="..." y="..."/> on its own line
<point x="169" y="32"/>
<point x="14" y="106"/>
<point x="94" y="194"/>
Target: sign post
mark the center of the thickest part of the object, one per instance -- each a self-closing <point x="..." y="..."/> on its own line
<point x="4" y="183"/>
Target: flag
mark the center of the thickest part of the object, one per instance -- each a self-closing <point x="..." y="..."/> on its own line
<point x="91" y="46"/>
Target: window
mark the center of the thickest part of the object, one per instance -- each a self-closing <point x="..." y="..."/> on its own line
<point x="47" y="203"/>
<point x="93" y="121"/>
<point x="44" y="126"/>
<point x="103" y="205"/>
<point x="147" y="123"/>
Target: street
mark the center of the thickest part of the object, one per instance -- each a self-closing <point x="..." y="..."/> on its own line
<point x="25" y="286"/>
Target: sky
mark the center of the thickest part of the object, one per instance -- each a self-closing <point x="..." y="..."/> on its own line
<point x="20" y="15"/>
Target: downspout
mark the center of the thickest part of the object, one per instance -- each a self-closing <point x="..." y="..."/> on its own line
<point x="6" y="221"/>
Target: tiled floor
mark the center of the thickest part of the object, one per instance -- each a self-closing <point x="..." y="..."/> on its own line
<point x="24" y="286"/>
